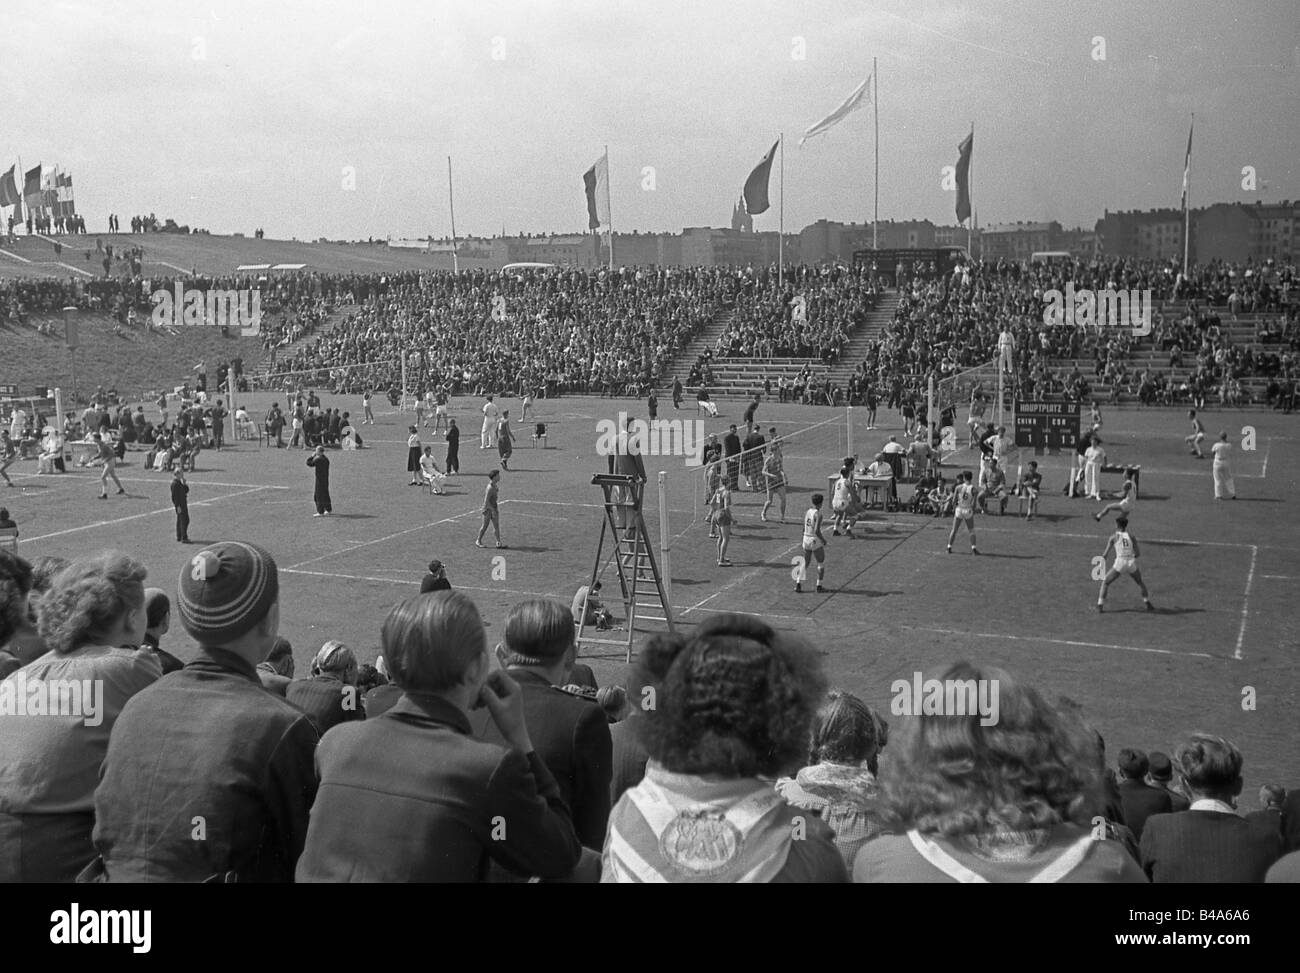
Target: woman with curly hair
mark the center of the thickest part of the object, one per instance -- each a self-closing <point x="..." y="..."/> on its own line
<point x="839" y="783"/>
<point x="732" y="709"/>
<point x="1013" y="801"/>
<point x="56" y="714"/>
<point x="15" y="586"/>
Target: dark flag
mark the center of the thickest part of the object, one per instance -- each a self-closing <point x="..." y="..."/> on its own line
<point x="596" y="182"/>
<point x="963" y="177"/>
<point x="8" y="188"/>
<point x="755" y="194"/>
<point x="32" y="188"/>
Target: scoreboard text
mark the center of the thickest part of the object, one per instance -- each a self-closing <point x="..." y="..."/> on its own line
<point x="1047" y="425"/>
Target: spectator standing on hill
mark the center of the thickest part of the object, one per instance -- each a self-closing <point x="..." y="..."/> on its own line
<point x="321" y="463"/>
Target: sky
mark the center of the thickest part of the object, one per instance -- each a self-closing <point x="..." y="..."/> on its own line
<point x="336" y="119"/>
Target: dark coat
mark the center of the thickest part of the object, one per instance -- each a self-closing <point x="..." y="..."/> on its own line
<point x="326" y="700"/>
<point x="571" y="736"/>
<point x="1139" y="801"/>
<point x="1206" y="846"/>
<point x="629" y="758"/>
<point x="412" y="796"/>
<point x="208" y="741"/>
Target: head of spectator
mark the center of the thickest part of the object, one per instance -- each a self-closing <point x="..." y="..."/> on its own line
<point x="280" y="659"/>
<point x="158" y="613"/>
<point x="1210" y="767"/>
<point x="335" y="660"/>
<point x="613" y="700"/>
<point x="845" y="730"/>
<point x="435" y="644"/>
<point x="368" y="677"/>
<point x="1272" y="796"/>
<point x="95" y="600"/>
<point x="15" y="587"/>
<point x="539" y="635"/>
<point x="228" y="599"/>
<point x="1133" y="764"/>
<point x="733" y="705"/>
<point x="1160" y="768"/>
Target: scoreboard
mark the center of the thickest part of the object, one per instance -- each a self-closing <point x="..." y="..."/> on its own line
<point x="1049" y="426"/>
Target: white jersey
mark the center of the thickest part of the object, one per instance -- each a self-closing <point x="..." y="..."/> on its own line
<point x="490" y="412"/>
<point x="1222" y="453"/>
<point x="964" y="498"/>
<point x="1125" y="549"/>
<point x="812" y="522"/>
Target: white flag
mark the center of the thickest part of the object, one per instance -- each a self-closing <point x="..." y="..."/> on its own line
<point x="851" y="104"/>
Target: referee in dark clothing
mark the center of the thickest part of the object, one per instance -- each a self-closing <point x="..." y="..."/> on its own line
<point x="181" y="501"/>
<point x="453" y="448"/>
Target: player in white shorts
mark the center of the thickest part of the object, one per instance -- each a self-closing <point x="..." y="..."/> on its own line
<point x="1126" y="562"/>
<point x="963" y="495"/>
<point x="1127" y="498"/>
<point x="1198" y="435"/>
<point x="814" y="544"/>
<point x="1222" y="450"/>
<point x="440" y="409"/>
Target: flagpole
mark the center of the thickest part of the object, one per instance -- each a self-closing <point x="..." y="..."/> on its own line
<point x="780" y="236"/>
<point x="1187" y="198"/>
<point x="451" y="206"/>
<point x="875" y="98"/>
<point x="22" y="203"/>
<point x="609" y="208"/>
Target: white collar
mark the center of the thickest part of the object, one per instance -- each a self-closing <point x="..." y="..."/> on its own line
<point x="1211" y="804"/>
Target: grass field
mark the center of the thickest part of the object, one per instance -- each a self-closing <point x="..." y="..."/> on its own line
<point x="1224" y="576"/>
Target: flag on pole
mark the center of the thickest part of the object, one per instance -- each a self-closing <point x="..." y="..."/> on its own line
<point x="1187" y="166"/>
<point x="755" y="194"/>
<point x="850" y="104"/>
<point x="32" y="188"/>
<point x="8" y="188"/>
<point x="963" y="177"/>
<point x="596" y="182"/>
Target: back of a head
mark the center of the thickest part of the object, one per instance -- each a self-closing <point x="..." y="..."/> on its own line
<point x="226" y="591"/>
<point x="335" y="659"/>
<point x="538" y="632"/>
<point x="845" y="731"/>
<point x="1210" y="766"/>
<point x="431" y="640"/>
<point x="1161" y="767"/>
<point x="1133" y="764"/>
<point x="735" y="699"/>
<point x="15" y="586"/>
<point x="88" y="598"/>
<point x="960" y="771"/>
<point x="157" y="606"/>
<point x="280" y="658"/>
<point x="1272" y="795"/>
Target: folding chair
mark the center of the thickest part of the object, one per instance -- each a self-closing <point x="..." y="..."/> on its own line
<point x="438" y="479"/>
<point x="539" y="432"/>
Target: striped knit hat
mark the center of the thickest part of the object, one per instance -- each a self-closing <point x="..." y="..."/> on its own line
<point x="225" y="590"/>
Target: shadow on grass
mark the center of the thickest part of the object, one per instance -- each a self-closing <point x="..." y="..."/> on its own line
<point x="354" y="516"/>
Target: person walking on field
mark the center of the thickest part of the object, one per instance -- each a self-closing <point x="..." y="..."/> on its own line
<point x="1223" y="484"/>
<point x="491" y="515"/>
<point x="321" y="463"/>
<point x="413" y="455"/>
<point x="181" y="503"/>
<point x="490" y="416"/>
<point x="505" y="439"/>
<point x="110" y="468"/>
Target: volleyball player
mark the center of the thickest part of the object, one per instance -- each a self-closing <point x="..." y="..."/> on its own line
<point x="491" y="512"/>
<point x="1222" y="450"/>
<point x="1126" y="562"/>
<point x="774" y="474"/>
<point x="1197" y="436"/>
<point x="1127" y="498"/>
<point x="814" y="544"/>
<point x="963" y="510"/>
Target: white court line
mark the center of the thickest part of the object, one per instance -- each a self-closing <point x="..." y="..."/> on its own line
<point x="752" y="573"/>
<point x="527" y="594"/>
<point x="1264" y="472"/>
<point x="1280" y="577"/>
<point x="164" y="263"/>
<point x="122" y="520"/>
<point x="1245" y="602"/>
<point x="551" y="503"/>
<point x="1036" y="638"/>
<point x="387" y="537"/>
<point x="1094" y="537"/>
<point x="8" y="253"/>
<point x="76" y="270"/>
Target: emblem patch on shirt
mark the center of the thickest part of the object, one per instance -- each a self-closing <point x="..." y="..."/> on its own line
<point x="701" y="841"/>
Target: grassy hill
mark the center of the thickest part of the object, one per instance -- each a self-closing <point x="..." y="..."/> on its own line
<point x="135" y="362"/>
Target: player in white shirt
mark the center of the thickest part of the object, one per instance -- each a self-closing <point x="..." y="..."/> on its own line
<point x="975" y="417"/>
<point x="1127" y="498"/>
<point x="1006" y="348"/>
<point x="487" y="436"/>
<point x="814" y="544"/>
<point x="1094" y="458"/>
<point x="1126" y="562"/>
<point x="1198" y="435"/>
<point x="963" y="509"/>
<point x="1222" y="451"/>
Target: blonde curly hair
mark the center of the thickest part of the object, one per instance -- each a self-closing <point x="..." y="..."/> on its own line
<point x="88" y="597"/>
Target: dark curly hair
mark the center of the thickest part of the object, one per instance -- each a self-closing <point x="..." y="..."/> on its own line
<point x="15" y="585"/>
<point x="736" y="699"/>
<point x="1035" y="767"/>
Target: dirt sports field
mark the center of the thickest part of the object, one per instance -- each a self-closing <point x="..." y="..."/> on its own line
<point x="1225" y="577"/>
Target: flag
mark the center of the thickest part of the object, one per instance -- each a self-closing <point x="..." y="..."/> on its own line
<point x="849" y="105"/>
<point x="32" y="188"/>
<point x="596" y="182"/>
<point x="8" y="188"/>
<point x="755" y="194"/>
<point x="963" y="177"/>
<point x="1187" y="166"/>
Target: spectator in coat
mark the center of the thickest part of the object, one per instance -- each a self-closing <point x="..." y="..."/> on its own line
<point x="731" y="450"/>
<point x="629" y="756"/>
<point x="209" y="740"/>
<point x="733" y="704"/>
<point x="1269" y="816"/>
<point x="158" y="621"/>
<point x="1161" y="774"/>
<point x="413" y="795"/>
<point x="330" y="696"/>
<point x="1138" y="799"/>
<point x="321" y="463"/>
<point x="1209" y="842"/>
<point x="436" y="579"/>
<point x="571" y="733"/>
<point x="275" y="672"/>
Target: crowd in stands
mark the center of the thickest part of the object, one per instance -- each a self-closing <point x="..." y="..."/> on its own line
<point x="745" y="768"/>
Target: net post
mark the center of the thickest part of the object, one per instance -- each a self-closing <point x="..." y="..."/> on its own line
<point x="848" y="424"/>
<point x="665" y="540"/>
<point x="931" y="419"/>
<point x="1000" y="392"/>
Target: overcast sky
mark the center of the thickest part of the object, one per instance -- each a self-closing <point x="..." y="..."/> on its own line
<point x="232" y="115"/>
